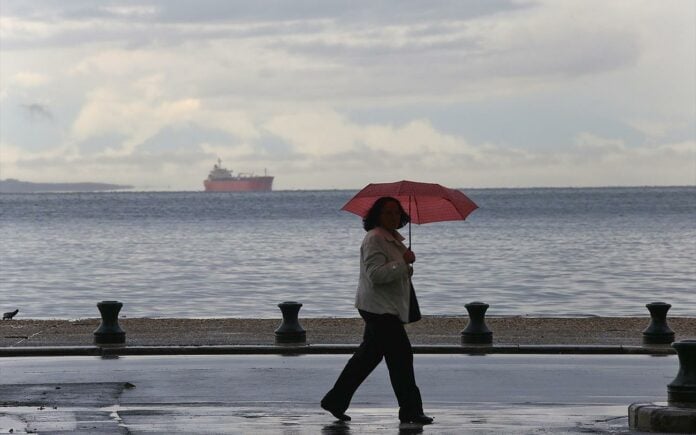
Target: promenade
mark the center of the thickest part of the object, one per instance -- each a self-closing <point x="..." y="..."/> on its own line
<point x="194" y="376"/>
<point x="273" y="394"/>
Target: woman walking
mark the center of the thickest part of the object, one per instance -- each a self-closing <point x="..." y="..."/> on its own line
<point x="382" y="300"/>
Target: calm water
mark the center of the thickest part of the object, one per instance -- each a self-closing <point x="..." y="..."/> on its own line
<point x="605" y="251"/>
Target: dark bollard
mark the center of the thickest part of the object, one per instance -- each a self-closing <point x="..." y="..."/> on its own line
<point x="679" y="416"/>
<point x="109" y="332"/>
<point x="681" y="392"/>
<point x="290" y="331"/>
<point x="476" y="332"/>
<point x="658" y="332"/>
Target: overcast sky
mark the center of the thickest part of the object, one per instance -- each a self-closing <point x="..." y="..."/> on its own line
<point x="337" y="94"/>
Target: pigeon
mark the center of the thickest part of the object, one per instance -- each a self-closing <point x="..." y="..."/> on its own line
<point x="9" y="315"/>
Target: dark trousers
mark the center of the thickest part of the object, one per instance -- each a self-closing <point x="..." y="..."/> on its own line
<point x="386" y="337"/>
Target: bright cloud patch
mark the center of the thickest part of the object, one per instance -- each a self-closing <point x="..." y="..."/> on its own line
<point x="30" y="79"/>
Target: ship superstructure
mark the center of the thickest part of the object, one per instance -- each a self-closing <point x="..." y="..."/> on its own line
<point x="222" y="180"/>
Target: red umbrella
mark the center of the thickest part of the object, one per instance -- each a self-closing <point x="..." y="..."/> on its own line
<point x="424" y="202"/>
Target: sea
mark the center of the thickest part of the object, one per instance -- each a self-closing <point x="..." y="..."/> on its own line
<point x="525" y="252"/>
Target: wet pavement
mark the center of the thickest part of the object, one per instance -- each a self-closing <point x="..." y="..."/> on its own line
<point x="280" y="394"/>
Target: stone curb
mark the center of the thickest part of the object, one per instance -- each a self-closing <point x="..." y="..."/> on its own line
<point x="650" y="417"/>
<point x="322" y="349"/>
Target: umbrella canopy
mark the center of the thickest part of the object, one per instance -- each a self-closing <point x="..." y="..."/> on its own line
<point x="424" y="202"/>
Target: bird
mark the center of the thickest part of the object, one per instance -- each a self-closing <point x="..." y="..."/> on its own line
<point x="9" y="315"/>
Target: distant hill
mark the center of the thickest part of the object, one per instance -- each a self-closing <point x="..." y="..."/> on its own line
<point x="15" y="186"/>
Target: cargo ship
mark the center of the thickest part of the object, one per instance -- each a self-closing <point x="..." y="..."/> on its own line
<point x="222" y="180"/>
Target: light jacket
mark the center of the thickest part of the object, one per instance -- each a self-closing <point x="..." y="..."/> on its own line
<point x="384" y="284"/>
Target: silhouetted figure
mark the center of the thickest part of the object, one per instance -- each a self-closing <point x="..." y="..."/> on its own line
<point x="382" y="300"/>
<point x="9" y="315"/>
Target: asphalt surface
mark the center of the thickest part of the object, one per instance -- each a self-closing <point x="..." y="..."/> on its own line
<point x="280" y="394"/>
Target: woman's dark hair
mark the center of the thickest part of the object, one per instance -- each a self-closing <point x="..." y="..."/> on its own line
<point x="371" y="219"/>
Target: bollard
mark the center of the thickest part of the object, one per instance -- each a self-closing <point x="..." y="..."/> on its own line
<point x="109" y="332"/>
<point x="476" y="332"/>
<point x="658" y="332"/>
<point x="681" y="392"/>
<point x="290" y="330"/>
<point x="679" y="416"/>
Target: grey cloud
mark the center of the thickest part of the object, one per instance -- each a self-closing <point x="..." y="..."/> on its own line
<point x="585" y="54"/>
<point x="168" y="24"/>
<point x="207" y="11"/>
<point x="37" y="111"/>
<point x="149" y="161"/>
<point x="378" y="49"/>
<point x="373" y="12"/>
<point x="143" y="161"/>
<point x="431" y="39"/>
<point x="183" y="136"/>
<point x="138" y="34"/>
<point x="461" y="56"/>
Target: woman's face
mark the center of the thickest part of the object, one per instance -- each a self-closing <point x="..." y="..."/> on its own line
<point x="390" y="217"/>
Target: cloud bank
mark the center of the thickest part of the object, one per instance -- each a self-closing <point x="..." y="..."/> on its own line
<point x="330" y="95"/>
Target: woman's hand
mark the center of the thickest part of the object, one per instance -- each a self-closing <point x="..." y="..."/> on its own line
<point x="409" y="257"/>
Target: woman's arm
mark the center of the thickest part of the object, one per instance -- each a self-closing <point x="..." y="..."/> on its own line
<point x="377" y="265"/>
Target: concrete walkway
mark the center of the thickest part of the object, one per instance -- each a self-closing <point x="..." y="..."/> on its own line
<point x="280" y="394"/>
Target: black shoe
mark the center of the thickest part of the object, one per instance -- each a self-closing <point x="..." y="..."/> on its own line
<point x="419" y="419"/>
<point x="340" y="415"/>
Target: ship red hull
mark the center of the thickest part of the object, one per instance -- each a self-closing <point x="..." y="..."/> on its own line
<point x="250" y="184"/>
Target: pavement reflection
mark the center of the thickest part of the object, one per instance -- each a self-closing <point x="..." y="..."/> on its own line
<point x="274" y="394"/>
